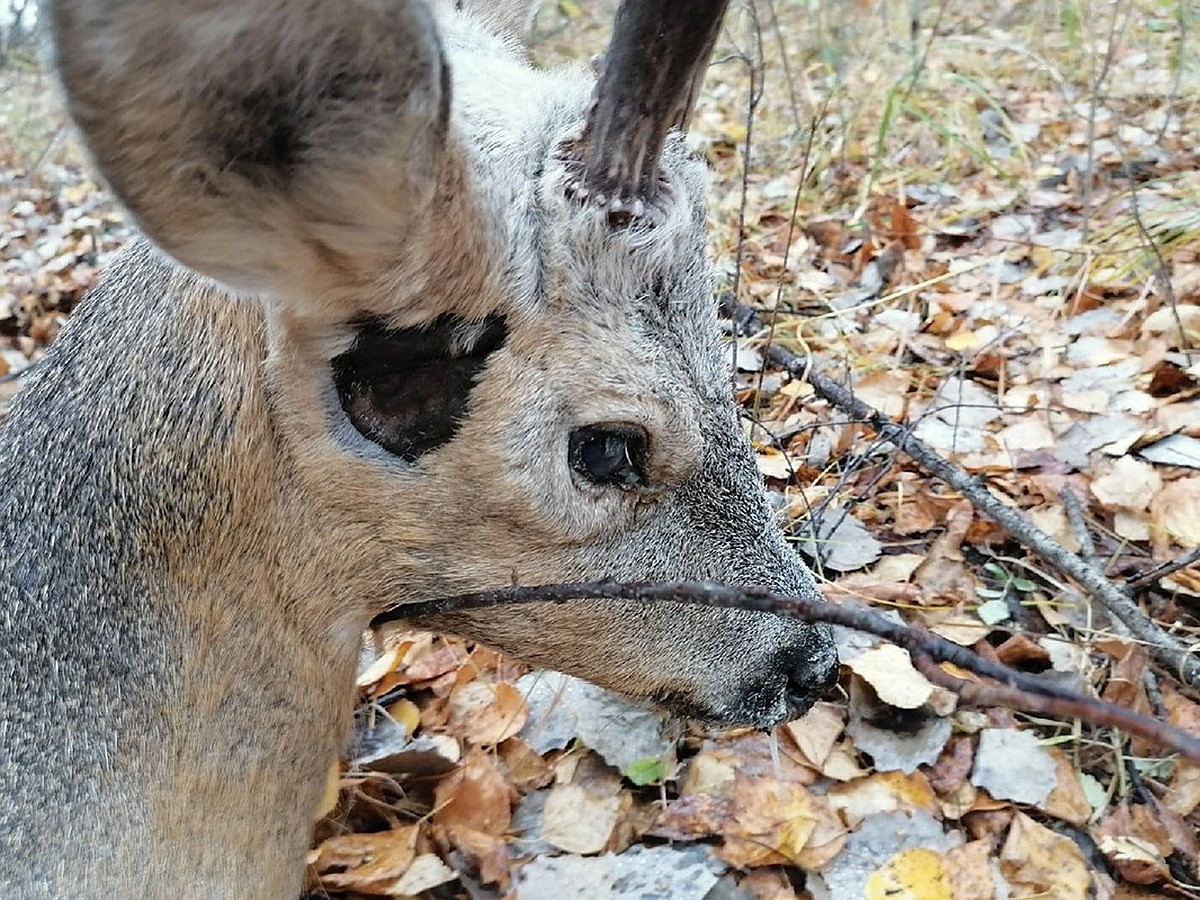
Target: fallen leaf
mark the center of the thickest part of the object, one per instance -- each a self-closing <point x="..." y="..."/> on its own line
<point x="1044" y="863"/>
<point x="1176" y="510"/>
<point x="916" y="874"/>
<point x="1067" y="801"/>
<point x="425" y="873"/>
<point x="474" y="796"/>
<point x="1012" y="765"/>
<point x="577" y="820"/>
<point x="486" y="714"/>
<point x="881" y="793"/>
<point x="972" y="872"/>
<point x="817" y="731"/>
<point x="367" y="863"/>
<point x="1130" y="483"/>
<point x="890" y="672"/>
<point x="772" y="822"/>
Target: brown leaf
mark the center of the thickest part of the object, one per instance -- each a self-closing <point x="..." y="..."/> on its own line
<point x="944" y="575"/>
<point x="953" y="766"/>
<point x="1044" y="863"/>
<point x="486" y="854"/>
<point x="367" y="863"/>
<point x="693" y="817"/>
<point x="767" y="884"/>
<point x="1019" y="649"/>
<point x="1067" y="801"/>
<point x="1181" y="712"/>
<point x="970" y="864"/>
<point x="772" y="822"/>
<point x="475" y="796"/>
<point x="816" y="732"/>
<point x="1136" y="844"/>
<point x="486" y="714"/>
<point x="525" y="769"/>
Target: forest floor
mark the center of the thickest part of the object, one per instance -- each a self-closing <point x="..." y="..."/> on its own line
<point x="987" y="223"/>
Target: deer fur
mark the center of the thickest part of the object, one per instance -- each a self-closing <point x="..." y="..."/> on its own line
<point x="193" y="533"/>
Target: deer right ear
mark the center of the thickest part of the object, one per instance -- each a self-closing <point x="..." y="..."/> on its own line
<point x="276" y="146"/>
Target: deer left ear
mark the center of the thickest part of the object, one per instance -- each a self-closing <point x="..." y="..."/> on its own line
<point x="408" y="389"/>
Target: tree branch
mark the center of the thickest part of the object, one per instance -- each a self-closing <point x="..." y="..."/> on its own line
<point x="1012" y="688"/>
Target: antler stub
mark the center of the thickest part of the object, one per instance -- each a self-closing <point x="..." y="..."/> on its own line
<point x="652" y="72"/>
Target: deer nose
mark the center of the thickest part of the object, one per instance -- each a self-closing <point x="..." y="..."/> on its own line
<point x="813" y="673"/>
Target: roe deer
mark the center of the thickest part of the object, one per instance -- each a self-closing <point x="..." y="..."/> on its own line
<point x="417" y="319"/>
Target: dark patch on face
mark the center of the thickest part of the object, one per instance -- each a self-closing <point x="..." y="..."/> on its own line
<point x="407" y="389"/>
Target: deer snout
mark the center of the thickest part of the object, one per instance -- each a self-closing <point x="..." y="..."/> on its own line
<point x="810" y="669"/>
<point x="783" y="683"/>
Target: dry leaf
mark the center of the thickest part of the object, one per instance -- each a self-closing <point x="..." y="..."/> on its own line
<point x="1130" y="484"/>
<point x="888" y="669"/>
<point x="367" y="863"/>
<point x="474" y="796"/>
<point x="772" y="822"/>
<point x="486" y="854"/>
<point x="882" y="792"/>
<point x="1176" y="510"/>
<point x="817" y="731"/>
<point x="1012" y="765"/>
<point x="693" y="817"/>
<point x="577" y="820"/>
<point x="1044" y="863"/>
<point x="1067" y="801"/>
<point x="972" y="873"/>
<point x="486" y="714"/>
<point x="425" y="873"/>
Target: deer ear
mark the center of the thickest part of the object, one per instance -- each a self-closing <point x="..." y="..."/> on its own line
<point x="407" y="389"/>
<point x="275" y="146"/>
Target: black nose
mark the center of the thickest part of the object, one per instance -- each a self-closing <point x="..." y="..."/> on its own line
<point x="813" y="673"/>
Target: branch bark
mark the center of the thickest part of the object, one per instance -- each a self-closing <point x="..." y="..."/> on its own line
<point x="1010" y="688"/>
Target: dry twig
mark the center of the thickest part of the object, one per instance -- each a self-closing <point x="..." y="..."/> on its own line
<point x="1011" y="688"/>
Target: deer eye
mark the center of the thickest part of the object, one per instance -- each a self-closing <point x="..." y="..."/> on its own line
<point x="609" y="455"/>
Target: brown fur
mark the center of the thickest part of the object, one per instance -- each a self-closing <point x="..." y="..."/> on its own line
<point x="194" y="535"/>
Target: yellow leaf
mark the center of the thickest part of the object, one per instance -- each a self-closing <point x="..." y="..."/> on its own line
<point x="406" y="713"/>
<point x="917" y="874"/>
<point x="964" y="340"/>
<point x="383" y="665"/>
<point x="333" y="783"/>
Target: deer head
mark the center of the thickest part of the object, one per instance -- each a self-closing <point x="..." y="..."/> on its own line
<point x="490" y="351"/>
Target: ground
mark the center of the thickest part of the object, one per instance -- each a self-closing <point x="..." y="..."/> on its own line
<point x="986" y="223"/>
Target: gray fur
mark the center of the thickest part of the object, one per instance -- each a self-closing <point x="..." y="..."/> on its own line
<point x="192" y="539"/>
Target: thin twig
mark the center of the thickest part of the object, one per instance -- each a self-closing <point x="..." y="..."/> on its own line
<point x="1013" y="688"/>
<point x="1170" y="567"/>
<point x="1087" y="549"/>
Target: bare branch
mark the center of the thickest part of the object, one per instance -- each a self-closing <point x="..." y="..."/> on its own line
<point x="1170" y="567"/>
